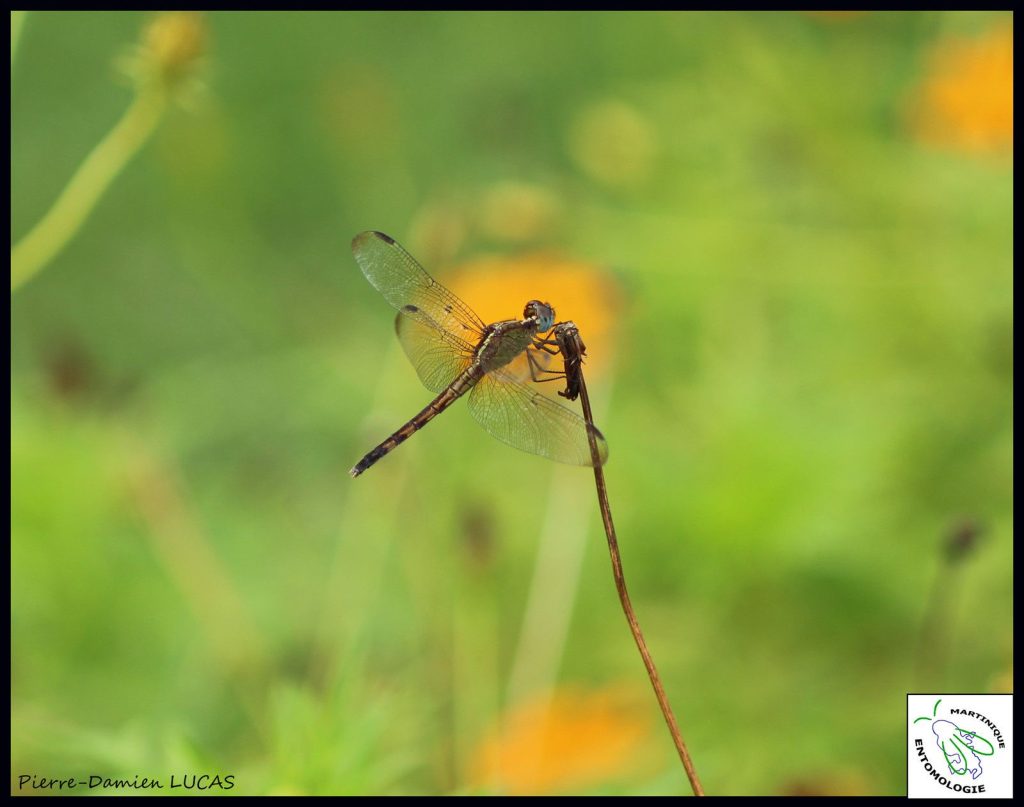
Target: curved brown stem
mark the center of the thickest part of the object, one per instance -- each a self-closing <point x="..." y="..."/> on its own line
<point x="627" y="606"/>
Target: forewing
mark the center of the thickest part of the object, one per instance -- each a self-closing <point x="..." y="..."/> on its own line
<point x="395" y="274"/>
<point x="439" y="356"/>
<point x="525" y="419"/>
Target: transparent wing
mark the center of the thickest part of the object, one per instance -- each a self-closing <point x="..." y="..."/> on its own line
<point x="525" y="419"/>
<point x="519" y="368"/>
<point x="395" y="274"/>
<point x="439" y="356"/>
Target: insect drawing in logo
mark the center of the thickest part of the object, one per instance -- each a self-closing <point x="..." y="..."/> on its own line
<point x="955" y="747"/>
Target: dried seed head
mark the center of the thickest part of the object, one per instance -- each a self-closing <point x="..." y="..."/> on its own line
<point x="174" y="42"/>
<point x="168" y="54"/>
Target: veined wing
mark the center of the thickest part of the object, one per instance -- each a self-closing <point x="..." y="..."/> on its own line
<point x="438" y="355"/>
<point x="525" y="419"/>
<point x="519" y="368"/>
<point x="395" y="274"/>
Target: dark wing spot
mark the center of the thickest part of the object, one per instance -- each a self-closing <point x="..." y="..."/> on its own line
<point x="410" y="308"/>
<point x="387" y="239"/>
<point x="448" y="309"/>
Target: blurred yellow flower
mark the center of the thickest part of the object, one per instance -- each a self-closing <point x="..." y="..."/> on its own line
<point x="613" y="143"/>
<point x="517" y="211"/>
<point x="498" y="288"/>
<point x="965" y="101"/>
<point x="575" y="740"/>
<point x="437" y="232"/>
<point x="168" y="55"/>
<point x="175" y="41"/>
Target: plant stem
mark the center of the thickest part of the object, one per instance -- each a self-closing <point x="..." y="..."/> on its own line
<point x="627" y="606"/>
<point x="17" y="26"/>
<point x="99" y="169"/>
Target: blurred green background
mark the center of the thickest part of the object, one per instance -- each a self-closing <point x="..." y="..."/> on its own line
<point x="806" y="224"/>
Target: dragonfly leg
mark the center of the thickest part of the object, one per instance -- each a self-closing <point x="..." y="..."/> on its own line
<point x="549" y="346"/>
<point x="536" y="370"/>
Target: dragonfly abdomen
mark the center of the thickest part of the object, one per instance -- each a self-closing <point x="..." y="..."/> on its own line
<point x="446" y="398"/>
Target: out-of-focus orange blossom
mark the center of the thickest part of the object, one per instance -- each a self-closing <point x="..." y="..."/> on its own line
<point x="965" y="101"/>
<point x="498" y="288"/>
<point x="574" y="741"/>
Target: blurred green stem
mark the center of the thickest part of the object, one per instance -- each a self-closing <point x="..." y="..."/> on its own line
<point x="17" y="24"/>
<point x="60" y="224"/>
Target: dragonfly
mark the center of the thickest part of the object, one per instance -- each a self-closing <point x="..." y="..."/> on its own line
<point x="456" y="354"/>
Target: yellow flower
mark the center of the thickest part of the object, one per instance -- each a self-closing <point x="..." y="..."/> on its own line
<point x="614" y="144"/>
<point x="966" y="99"/>
<point x="175" y="41"/>
<point x="575" y="740"/>
<point x="498" y="288"/>
<point x="169" y="52"/>
<point x="517" y="211"/>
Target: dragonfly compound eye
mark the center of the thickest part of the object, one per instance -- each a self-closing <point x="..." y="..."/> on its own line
<point x="544" y="313"/>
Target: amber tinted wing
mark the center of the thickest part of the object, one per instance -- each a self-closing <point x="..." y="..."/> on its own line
<point x="525" y="419"/>
<point x="438" y="355"/>
<point x="403" y="282"/>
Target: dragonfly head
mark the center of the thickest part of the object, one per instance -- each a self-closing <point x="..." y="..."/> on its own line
<point x="542" y="312"/>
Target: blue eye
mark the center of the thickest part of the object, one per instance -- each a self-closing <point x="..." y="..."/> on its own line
<point x="544" y="313"/>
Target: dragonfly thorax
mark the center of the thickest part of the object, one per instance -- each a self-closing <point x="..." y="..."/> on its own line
<point x="503" y="342"/>
<point x="544" y="313"/>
